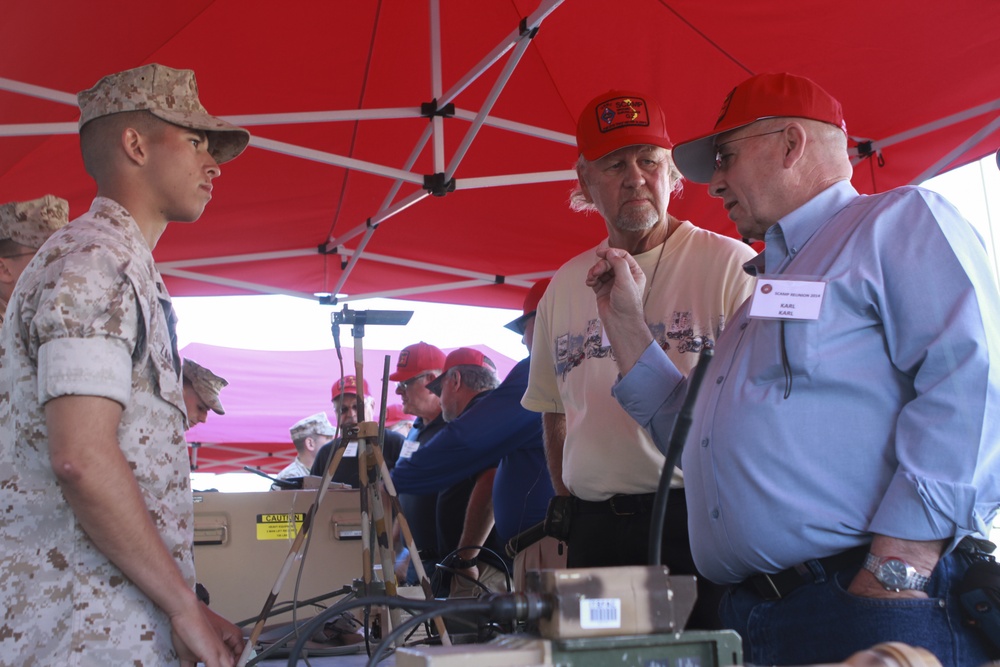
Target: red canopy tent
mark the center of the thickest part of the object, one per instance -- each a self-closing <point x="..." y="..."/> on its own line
<point x="269" y="391"/>
<point x="354" y="135"/>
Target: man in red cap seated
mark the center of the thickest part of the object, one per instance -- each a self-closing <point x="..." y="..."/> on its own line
<point x="344" y="395"/>
<point x="843" y="464"/>
<point x="604" y="466"/>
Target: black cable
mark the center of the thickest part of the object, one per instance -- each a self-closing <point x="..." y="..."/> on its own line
<point x="455" y="609"/>
<point x="389" y="601"/>
<point x="677" y="437"/>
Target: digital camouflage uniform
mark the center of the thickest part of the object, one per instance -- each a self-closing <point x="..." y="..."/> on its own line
<point x="30" y="224"/>
<point x="90" y="317"/>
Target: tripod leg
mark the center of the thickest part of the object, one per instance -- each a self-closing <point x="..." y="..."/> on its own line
<point x="404" y="528"/>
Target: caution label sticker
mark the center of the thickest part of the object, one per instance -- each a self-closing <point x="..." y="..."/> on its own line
<point x="278" y="526"/>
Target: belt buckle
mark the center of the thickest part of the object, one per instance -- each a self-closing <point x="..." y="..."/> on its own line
<point x="614" y="510"/>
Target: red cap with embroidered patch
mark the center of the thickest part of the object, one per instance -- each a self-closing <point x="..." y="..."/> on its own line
<point x="759" y="97"/>
<point x="348" y="385"/>
<point x="618" y="119"/>
<point x="416" y="359"/>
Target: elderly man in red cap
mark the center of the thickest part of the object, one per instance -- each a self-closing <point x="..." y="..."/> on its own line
<point x="604" y="465"/>
<point x="24" y="227"/>
<point x="345" y="396"/>
<point x="843" y="464"/>
<point x="95" y="471"/>
<point x="417" y="365"/>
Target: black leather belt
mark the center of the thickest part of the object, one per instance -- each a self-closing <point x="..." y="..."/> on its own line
<point x="779" y="585"/>
<point x="621" y="504"/>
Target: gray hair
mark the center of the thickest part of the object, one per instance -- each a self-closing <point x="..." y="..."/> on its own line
<point x="578" y="201"/>
<point x="477" y="378"/>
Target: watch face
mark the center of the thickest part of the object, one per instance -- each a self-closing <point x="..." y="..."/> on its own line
<point x="892" y="573"/>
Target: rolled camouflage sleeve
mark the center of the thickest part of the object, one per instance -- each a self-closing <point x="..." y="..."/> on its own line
<point x="86" y="326"/>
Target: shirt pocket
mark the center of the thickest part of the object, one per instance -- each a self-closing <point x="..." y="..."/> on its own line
<point x="766" y="360"/>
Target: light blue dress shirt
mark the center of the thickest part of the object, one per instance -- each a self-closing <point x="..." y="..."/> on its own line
<point x="891" y="423"/>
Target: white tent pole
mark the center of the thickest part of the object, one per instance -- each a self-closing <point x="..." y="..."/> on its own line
<point x="30" y="90"/>
<point x="336" y="160"/>
<point x="378" y="218"/>
<point x="238" y="284"/>
<point x="531" y="22"/>
<point x="355" y="257"/>
<point x="491" y="99"/>
<point x="306" y="117"/>
<point x="519" y="128"/>
<point x="940" y="123"/>
<point x="514" y="179"/>
<point x="949" y="157"/>
<point x="235" y="259"/>
<point x="37" y="129"/>
<point x="437" y="121"/>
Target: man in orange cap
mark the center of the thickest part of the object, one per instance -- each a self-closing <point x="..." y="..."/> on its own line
<point x="604" y="466"/>
<point x="843" y="463"/>
<point x="96" y="472"/>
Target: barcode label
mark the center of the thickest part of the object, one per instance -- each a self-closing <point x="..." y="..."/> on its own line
<point x="600" y="613"/>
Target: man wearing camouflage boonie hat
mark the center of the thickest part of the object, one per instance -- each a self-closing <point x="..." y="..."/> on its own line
<point x="308" y="435"/>
<point x="201" y="392"/>
<point x="24" y="227"/>
<point x="95" y="473"/>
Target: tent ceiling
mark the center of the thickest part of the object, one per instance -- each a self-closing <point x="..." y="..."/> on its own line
<point x="331" y="194"/>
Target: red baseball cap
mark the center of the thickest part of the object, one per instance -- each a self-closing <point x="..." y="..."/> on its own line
<point x="416" y="359"/>
<point x="759" y="97"/>
<point x="347" y="385"/>
<point x="463" y="356"/>
<point x="531" y="300"/>
<point x="618" y="119"/>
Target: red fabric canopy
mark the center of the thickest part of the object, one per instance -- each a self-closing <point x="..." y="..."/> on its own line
<point x="269" y="391"/>
<point x="917" y="80"/>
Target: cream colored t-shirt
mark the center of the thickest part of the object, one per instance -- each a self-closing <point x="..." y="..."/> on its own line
<point x="699" y="282"/>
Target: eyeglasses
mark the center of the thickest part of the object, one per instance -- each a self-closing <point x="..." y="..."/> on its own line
<point x="720" y="159"/>
<point x="406" y="384"/>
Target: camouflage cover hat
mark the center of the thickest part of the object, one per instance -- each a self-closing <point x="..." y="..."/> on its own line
<point x="317" y="424"/>
<point x="30" y="223"/>
<point x="167" y="93"/>
<point x="206" y="384"/>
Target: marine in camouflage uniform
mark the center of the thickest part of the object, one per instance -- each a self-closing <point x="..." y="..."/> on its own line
<point x="81" y="563"/>
<point x="24" y="227"/>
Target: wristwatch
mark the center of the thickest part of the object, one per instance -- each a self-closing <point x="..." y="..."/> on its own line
<point x="895" y="574"/>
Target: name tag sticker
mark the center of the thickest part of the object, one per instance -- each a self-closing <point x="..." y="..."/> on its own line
<point x="409" y="447"/>
<point x="787" y="299"/>
<point x="352" y="449"/>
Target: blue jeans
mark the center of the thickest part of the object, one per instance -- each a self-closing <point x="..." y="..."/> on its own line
<point x="822" y="623"/>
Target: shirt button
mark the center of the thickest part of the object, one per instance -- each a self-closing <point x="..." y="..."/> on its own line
<point x="715" y="514"/>
<point x="719" y="379"/>
<point x="794" y="250"/>
<point x="744" y="326"/>
<point x="704" y="442"/>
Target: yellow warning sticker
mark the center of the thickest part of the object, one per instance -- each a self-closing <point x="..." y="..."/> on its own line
<point x="278" y="526"/>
